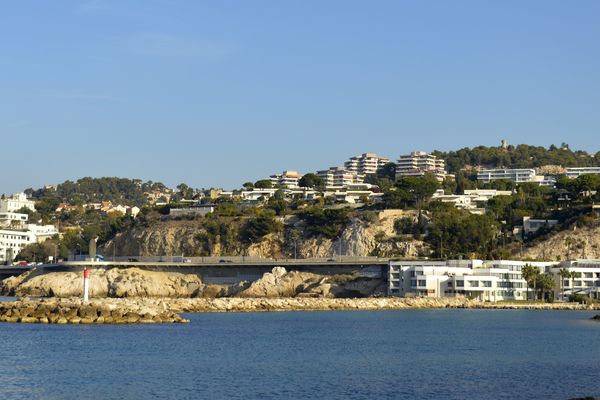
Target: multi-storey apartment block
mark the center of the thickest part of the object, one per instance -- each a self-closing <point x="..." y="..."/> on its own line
<point x="514" y="175"/>
<point x="419" y="163"/>
<point x="287" y="179"/>
<point x="578" y="171"/>
<point x="339" y="177"/>
<point x="483" y="280"/>
<point x="366" y="163"/>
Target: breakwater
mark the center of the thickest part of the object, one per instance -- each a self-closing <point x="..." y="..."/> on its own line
<point x="166" y="310"/>
<point x="371" y="303"/>
<point x="96" y="311"/>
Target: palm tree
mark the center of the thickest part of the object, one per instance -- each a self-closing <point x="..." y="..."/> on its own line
<point x="531" y="274"/>
<point x="564" y="274"/>
<point x="573" y="275"/>
<point x="536" y="274"/>
<point x="527" y="273"/>
<point x="546" y="283"/>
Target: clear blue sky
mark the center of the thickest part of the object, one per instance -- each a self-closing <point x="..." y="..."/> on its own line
<point x="215" y="93"/>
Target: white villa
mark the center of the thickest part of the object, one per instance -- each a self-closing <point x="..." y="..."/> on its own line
<point x="15" y="203"/>
<point x="471" y="199"/>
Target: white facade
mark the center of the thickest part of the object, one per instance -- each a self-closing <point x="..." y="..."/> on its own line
<point x="586" y="279"/>
<point x="258" y="194"/>
<point x="15" y="203"/>
<point x="287" y="179"/>
<point x="483" y="280"/>
<point x="42" y="232"/>
<point x="353" y="193"/>
<point x="514" y="175"/>
<point x="419" y="163"/>
<point x="200" y="209"/>
<point x="338" y="176"/>
<point x="576" y="172"/>
<point x="13" y="241"/>
<point x="13" y="220"/>
<point x="366" y="163"/>
<point x="471" y="199"/>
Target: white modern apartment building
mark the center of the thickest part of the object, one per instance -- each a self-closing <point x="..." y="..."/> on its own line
<point x="353" y="193"/>
<point x="471" y="199"/>
<point x="515" y="175"/>
<point x="575" y="172"/>
<point x="11" y="242"/>
<point x="13" y="220"/>
<point x="419" y="163"/>
<point x="339" y="177"/>
<point x="366" y="163"/>
<point x="483" y="280"/>
<point x="15" y="203"/>
<point x="585" y="279"/>
<point x="258" y="194"/>
<point x="287" y="179"/>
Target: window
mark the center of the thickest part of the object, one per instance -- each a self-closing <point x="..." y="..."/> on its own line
<point x="460" y="283"/>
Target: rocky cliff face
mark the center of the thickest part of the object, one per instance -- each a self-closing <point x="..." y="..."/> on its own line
<point x="136" y="282"/>
<point x="132" y="282"/>
<point x="360" y="238"/>
<point x="568" y="244"/>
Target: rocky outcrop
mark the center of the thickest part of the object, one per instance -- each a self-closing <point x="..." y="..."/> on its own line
<point x="281" y="283"/>
<point x="362" y="237"/>
<point x="139" y="283"/>
<point x="583" y="242"/>
<point x="8" y="286"/>
<point x="98" y="311"/>
<point x="114" y="282"/>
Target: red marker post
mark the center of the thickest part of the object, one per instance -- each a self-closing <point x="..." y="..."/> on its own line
<point x="86" y="283"/>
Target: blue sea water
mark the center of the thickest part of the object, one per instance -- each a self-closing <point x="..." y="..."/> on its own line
<point x="411" y="354"/>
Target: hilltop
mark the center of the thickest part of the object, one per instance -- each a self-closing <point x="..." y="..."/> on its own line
<point x="425" y="212"/>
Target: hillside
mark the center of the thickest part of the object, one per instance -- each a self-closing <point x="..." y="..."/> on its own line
<point x="580" y="242"/>
<point x="196" y="238"/>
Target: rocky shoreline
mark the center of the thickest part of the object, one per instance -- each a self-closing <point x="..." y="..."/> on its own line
<point x="96" y="311"/>
<point x="166" y="310"/>
<point x="367" y="304"/>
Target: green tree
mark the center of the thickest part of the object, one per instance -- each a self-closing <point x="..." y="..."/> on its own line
<point x="277" y="203"/>
<point x="263" y="184"/>
<point x="185" y="191"/>
<point x="421" y="188"/>
<point x="311" y="180"/>
<point x="387" y="171"/>
<point x="256" y="228"/>
<point x="545" y="282"/>
<point x="564" y="274"/>
<point x="531" y="275"/>
<point x="455" y="233"/>
<point x="324" y="222"/>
